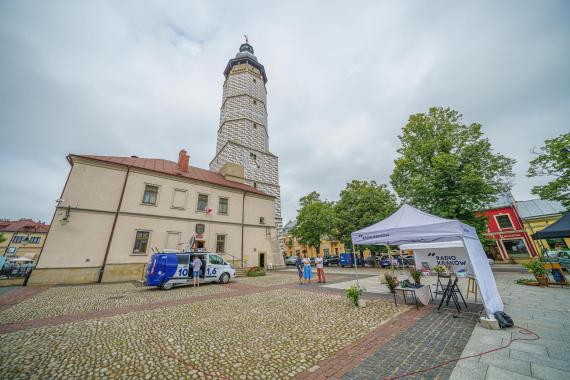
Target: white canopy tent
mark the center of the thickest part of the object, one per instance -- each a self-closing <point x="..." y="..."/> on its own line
<point x="409" y="225"/>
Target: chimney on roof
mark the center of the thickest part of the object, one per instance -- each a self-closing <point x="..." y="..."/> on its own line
<point x="183" y="160"/>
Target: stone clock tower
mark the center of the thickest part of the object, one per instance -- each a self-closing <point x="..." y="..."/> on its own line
<point x="243" y="133"/>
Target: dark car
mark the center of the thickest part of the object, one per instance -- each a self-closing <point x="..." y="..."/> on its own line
<point x="331" y="260"/>
<point x="409" y="260"/>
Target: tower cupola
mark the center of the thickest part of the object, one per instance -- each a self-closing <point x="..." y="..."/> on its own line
<point x="245" y="55"/>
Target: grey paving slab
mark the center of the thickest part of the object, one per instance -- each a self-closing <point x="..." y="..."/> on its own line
<point x="469" y="369"/>
<point x="545" y="311"/>
<point x="518" y="366"/>
<point x="563" y="365"/>
<point x="496" y="373"/>
<point x="548" y="373"/>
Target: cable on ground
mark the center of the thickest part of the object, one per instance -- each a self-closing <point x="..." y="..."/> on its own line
<point x="521" y="331"/>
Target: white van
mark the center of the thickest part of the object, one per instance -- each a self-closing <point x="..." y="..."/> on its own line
<point x="167" y="269"/>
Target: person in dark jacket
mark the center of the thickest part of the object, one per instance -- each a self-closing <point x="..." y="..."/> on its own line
<point x="299" y="266"/>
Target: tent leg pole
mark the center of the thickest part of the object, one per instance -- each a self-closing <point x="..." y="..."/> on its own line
<point x="355" y="265"/>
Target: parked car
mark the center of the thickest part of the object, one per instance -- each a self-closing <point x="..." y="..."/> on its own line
<point x="290" y="260"/>
<point x="561" y="257"/>
<point x="347" y="260"/>
<point x="331" y="260"/>
<point x="312" y="260"/>
<point x="409" y="260"/>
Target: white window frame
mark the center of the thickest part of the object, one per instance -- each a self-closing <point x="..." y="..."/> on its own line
<point x="227" y="206"/>
<point x="198" y="200"/>
<point x="155" y="204"/>
<point x="133" y="253"/>
<point x="510" y="220"/>
<point x="173" y="233"/>
<point x="225" y="243"/>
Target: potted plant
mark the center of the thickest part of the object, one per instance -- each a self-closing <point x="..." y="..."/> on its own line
<point x="354" y="294"/>
<point x="255" y="272"/>
<point x="441" y="270"/>
<point x="391" y="281"/>
<point x="536" y="267"/>
<point x="417" y="276"/>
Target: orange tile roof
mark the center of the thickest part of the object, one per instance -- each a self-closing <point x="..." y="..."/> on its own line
<point x="171" y="168"/>
<point x="23" y="225"/>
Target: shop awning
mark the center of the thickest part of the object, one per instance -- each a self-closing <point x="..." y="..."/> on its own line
<point x="558" y="229"/>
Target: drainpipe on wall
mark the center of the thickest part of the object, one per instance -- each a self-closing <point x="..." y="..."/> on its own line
<point x="113" y="228"/>
<point x="242" y="222"/>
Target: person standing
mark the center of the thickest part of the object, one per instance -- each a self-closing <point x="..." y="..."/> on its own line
<point x="196" y="265"/>
<point x="320" y="269"/>
<point x="299" y="266"/>
<point x="307" y="270"/>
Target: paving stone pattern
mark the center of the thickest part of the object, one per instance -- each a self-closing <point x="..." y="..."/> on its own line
<point x="66" y="300"/>
<point x="267" y="335"/>
<point x="435" y="338"/>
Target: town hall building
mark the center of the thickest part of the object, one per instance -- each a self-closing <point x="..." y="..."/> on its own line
<point x="114" y="212"/>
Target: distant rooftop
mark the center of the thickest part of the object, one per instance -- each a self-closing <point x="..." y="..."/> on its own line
<point x="503" y="200"/>
<point x="535" y="208"/>
<point x="290" y="224"/>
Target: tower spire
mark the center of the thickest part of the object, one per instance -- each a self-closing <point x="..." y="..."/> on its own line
<point x="246" y="40"/>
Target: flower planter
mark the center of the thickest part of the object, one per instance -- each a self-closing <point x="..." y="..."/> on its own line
<point x="542" y="281"/>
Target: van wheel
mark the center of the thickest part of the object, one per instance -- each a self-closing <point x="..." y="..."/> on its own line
<point x="224" y="278"/>
<point x="166" y="286"/>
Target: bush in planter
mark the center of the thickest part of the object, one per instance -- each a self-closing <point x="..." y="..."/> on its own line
<point x="417" y="276"/>
<point x="391" y="281"/>
<point x="536" y="267"/>
<point x="255" y="272"/>
<point x="354" y="293"/>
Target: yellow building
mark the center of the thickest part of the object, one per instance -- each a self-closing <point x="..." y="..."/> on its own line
<point x="24" y="238"/>
<point x="538" y="214"/>
<point x="292" y="247"/>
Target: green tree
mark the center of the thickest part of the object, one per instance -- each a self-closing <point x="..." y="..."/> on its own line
<point x="361" y="204"/>
<point x="448" y="168"/>
<point x="315" y="221"/>
<point x="553" y="161"/>
<point x="2" y="238"/>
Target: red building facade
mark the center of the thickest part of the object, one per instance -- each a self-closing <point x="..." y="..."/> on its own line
<point x="506" y="227"/>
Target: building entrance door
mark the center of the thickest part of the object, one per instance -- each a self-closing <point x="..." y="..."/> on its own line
<point x="262" y="260"/>
<point x="200" y="245"/>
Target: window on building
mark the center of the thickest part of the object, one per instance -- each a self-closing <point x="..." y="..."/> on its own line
<point x="261" y="220"/>
<point x="200" y="228"/>
<point x="17" y="239"/>
<point x="179" y="199"/>
<point x="253" y="156"/>
<point x="254" y="80"/>
<point x="297" y="252"/>
<point x="254" y="101"/>
<point x="141" y="241"/>
<point x="220" y="243"/>
<point x="254" y="125"/>
<point x="255" y="185"/>
<point x="504" y="221"/>
<point x="516" y="248"/>
<point x="223" y="206"/>
<point x="150" y="195"/>
<point x="326" y="251"/>
<point x="35" y="239"/>
<point x="202" y="202"/>
<point x="336" y="251"/>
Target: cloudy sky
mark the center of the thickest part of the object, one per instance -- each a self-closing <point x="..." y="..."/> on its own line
<point x="145" y="78"/>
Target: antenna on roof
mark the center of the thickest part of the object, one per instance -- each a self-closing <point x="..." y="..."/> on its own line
<point x="246" y="40"/>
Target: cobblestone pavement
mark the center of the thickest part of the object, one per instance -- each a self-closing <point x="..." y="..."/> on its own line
<point x="435" y="338"/>
<point x="271" y="334"/>
<point x="65" y="300"/>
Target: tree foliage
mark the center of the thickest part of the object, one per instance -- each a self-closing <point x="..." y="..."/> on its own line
<point x="553" y="161"/>
<point x="2" y="238"/>
<point x="361" y="204"/>
<point x="315" y="221"/>
<point x="448" y="168"/>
